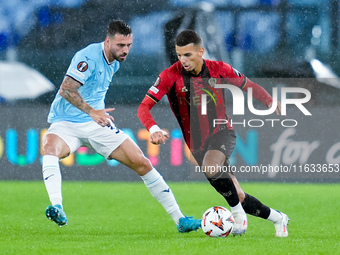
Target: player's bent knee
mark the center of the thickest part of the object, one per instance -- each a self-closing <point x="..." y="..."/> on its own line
<point x="48" y="149"/>
<point x="241" y="195"/>
<point x="53" y="145"/>
<point x="144" y="166"/>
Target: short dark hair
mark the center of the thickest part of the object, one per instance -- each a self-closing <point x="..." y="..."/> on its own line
<point x="118" y="27"/>
<point x="188" y="36"/>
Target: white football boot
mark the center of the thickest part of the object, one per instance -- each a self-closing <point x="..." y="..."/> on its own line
<point x="241" y="223"/>
<point x="281" y="226"/>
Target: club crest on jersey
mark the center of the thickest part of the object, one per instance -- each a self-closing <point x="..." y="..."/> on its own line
<point x="236" y="72"/>
<point x="184" y="89"/>
<point x="212" y="82"/>
<point x="82" y="66"/>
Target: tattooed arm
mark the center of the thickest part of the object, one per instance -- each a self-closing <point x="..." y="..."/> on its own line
<point x="69" y="91"/>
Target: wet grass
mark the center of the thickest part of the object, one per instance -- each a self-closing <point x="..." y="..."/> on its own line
<point x="123" y="218"/>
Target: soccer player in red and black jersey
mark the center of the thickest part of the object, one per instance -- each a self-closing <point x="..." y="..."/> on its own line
<point x="184" y="82"/>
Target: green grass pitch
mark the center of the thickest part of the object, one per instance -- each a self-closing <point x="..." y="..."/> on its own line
<point x="123" y="218"/>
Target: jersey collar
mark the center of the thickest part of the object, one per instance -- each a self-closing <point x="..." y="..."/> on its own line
<point x="104" y="55"/>
<point x="201" y="74"/>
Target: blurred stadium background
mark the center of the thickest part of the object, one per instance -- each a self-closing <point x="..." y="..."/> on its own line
<point x="264" y="39"/>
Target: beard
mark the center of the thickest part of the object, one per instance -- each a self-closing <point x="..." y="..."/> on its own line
<point x="121" y="58"/>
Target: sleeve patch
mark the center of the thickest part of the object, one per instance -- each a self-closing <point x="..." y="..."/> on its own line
<point x="154" y="89"/>
<point x="82" y="66"/>
<point x="157" y="82"/>
<point x="237" y="73"/>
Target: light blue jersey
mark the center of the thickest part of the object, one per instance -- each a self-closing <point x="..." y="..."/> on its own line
<point x="91" y="68"/>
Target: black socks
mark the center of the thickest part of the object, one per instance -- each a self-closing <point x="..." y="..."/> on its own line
<point x="253" y="206"/>
<point x="225" y="186"/>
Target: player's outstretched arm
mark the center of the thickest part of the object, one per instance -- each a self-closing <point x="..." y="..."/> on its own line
<point x="157" y="136"/>
<point x="259" y="93"/>
<point x="69" y="91"/>
<point x="262" y="95"/>
<point x="278" y="108"/>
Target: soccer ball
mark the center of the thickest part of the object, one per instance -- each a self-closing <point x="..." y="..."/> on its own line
<point x="217" y="221"/>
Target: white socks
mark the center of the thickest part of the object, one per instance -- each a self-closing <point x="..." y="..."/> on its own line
<point x="153" y="181"/>
<point x="161" y="191"/>
<point x="237" y="209"/>
<point x="52" y="178"/>
<point x="274" y="216"/>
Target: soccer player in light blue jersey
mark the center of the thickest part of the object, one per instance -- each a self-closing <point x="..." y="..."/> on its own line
<point x="78" y="118"/>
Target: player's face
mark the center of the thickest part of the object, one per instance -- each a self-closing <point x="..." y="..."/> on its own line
<point x="190" y="57"/>
<point x="118" y="47"/>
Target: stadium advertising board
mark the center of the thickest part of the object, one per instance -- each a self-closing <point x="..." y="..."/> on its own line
<point x="309" y="151"/>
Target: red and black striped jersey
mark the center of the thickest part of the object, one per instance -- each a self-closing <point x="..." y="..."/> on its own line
<point x="184" y="91"/>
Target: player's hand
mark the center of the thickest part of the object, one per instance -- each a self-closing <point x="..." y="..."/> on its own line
<point x="159" y="137"/>
<point x="278" y="107"/>
<point x="101" y="116"/>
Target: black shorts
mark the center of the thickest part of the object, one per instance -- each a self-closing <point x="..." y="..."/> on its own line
<point x="223" y="141"/>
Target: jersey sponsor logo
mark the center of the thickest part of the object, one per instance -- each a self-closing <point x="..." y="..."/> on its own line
<point x="157" y="82"/>
<point x="82" y="66"/>
<point x="237" y="73"/>
<point x="212" y="95"/>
